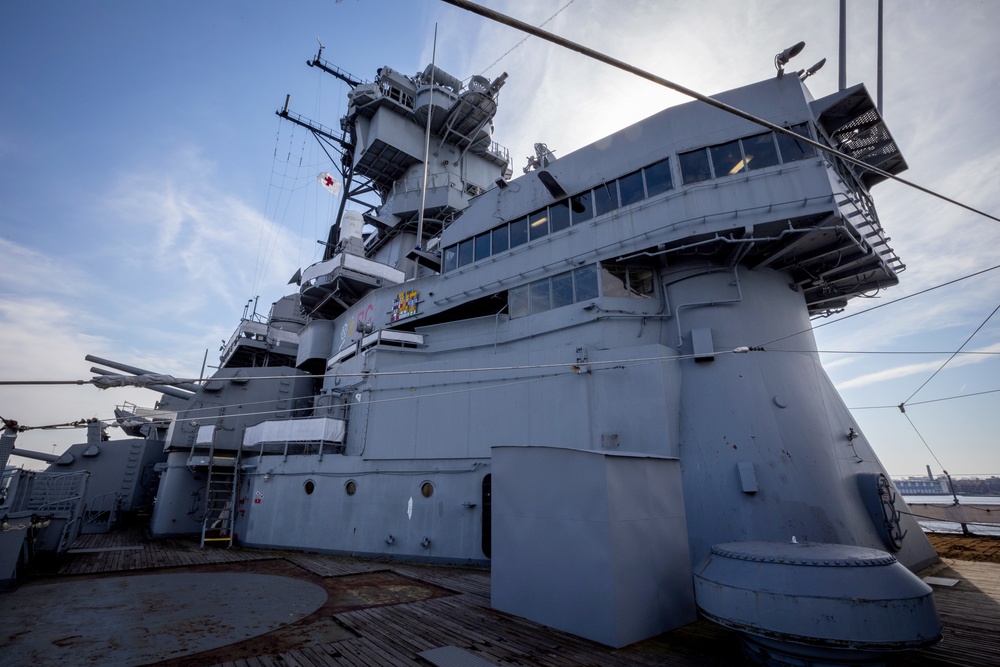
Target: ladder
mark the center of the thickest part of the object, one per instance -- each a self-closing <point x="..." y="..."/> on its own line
<point x="220" y="500"/>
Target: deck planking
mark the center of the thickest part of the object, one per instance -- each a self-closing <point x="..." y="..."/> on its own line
<point x="395" y="634"/>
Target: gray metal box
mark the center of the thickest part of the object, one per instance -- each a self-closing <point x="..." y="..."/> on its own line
<point x="591" y="542"/>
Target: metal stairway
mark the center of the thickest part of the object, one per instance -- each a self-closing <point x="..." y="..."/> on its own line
<point x="220" y="500"/>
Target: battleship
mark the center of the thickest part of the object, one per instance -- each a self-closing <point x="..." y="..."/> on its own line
<point x="562" y="375"/>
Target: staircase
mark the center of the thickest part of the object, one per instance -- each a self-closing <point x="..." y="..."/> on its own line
<point x="220" y="500"/>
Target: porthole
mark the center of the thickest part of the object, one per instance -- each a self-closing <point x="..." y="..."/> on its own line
<point x="427" y="489"/>
<point x="309" y="487"/>
<point x="351" y="487"/>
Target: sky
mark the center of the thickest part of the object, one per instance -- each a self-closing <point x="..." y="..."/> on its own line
<point x="148" y="192"/>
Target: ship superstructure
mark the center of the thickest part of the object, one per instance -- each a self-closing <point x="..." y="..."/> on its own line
<point x="618" y="303"/>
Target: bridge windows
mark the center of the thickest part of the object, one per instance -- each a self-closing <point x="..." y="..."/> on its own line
<point x="620" y="280"/>
<point x="559" y="216"/>
<point x="792" y="149"/>
<point x="562" y="289"/>
<point x="518" y="232"/>
<point x="606" y="198"/>
<point x="583" y="207"/>
<point x="760" y="151"/>
<point x="482" y="250"/>
<point x="695" y="166"/>
<point x="501" y="239"/>
<point x="629" y="189"/>
<point x="658" y="178"/>
<point x="465" y="255"/>
<point x="538" y="224"/>
<point x="582" y="284"/>
<point x="754" y="152"/>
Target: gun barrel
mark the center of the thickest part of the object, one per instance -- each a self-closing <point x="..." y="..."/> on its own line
<point x="134" y="370"/>
<point x="38" y="456"/>
<point x="175" y="391"/>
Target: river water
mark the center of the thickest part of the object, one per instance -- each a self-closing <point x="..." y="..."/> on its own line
<point x="948" y="527"/>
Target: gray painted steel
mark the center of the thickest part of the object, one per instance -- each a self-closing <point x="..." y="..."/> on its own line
<point x="815" y="598"/>
<point x="671" y="322"/>
<point x="592" y="543"/>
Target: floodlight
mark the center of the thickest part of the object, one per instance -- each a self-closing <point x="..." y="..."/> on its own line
<point x="812" y="70"/>
<point x="781" y="59"/>
<point x="790" y="53"/>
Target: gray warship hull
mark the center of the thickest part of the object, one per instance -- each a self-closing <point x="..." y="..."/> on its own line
<point x="646" y="299"/>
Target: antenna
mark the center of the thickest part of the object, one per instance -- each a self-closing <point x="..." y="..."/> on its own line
<point x="843" y="44"/>
<point x="878" y="84"/>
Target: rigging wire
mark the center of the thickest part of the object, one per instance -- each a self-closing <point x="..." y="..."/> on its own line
<point x="932" y="400"/>
<point x="917" y="431"/>
<point x="267" y="204"/>
<point x="883" y="305"/>
<point x="666" y="83"/>
<point x="952" y="356"/>
<point x="526" y="38"/>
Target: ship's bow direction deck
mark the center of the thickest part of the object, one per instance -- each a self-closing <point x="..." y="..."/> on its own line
<point x="380" y="613"/>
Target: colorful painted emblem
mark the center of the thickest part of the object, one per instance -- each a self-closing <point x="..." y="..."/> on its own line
<point x="404" y="306"/>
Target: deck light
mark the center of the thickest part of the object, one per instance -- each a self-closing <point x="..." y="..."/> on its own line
<point x="781" y="59"/>
<point x="812" y="70"/>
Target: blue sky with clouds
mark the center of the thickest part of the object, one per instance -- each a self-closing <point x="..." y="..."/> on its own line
<point x="147" y="190"/>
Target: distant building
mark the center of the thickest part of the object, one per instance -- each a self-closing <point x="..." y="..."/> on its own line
<point x="922" y="486"/>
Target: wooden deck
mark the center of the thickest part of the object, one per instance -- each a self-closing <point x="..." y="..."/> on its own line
<point x="449" y="607"/>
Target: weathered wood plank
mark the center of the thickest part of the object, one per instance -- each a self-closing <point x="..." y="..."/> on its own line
<point x="396" y="634"/>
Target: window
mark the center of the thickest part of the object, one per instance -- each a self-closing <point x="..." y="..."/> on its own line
<point x="562" y="290"/>
<point x="658" y="178"/>
<point x="559" y="216"/>
<point x="630" y="188"/>
<point x="623" y="281"/>
<point x="695" y="167"/>
<point x="517" y="301"/>
<point x="582" y="206"/>
<point x="640" y="283"/>
<point x="605" y="198"/>
<point x="538" y="224"/>
<point x="518" y="232"/>
<point x="450" y="258"/>
<point x="585" y="283"/>
<point x="465" y="252"/>
<point x="482" y="246"/>
<point x="791" y="149"/>
<point x="501" y="240"/>
<point x="540" y="299"/>
<point x="760" y="151"/>
<point x="613" y="281"/>
<point x="727" y="159"/>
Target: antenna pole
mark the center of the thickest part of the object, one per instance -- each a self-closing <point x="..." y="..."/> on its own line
<point x="843" y="44"/>
<point x="878" y="93"/>
<point x="427" y="143"/>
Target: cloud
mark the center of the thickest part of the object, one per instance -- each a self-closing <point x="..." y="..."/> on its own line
<point x="203" y="245"/>
<point x="183" y="247"/>
<point x="925" y="367"/>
